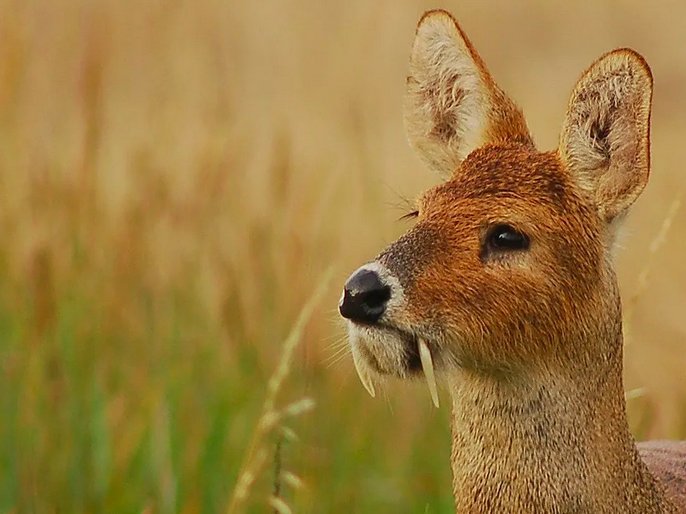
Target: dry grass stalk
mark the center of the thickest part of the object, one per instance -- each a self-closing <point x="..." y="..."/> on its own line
<point x="655" y="245"/>
<point x="271" y="415"/>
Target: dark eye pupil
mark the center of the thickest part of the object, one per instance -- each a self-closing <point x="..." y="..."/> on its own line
<point x="504" y="237"/>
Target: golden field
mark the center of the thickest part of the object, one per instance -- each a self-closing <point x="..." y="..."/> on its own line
<point x="176" y="180"/>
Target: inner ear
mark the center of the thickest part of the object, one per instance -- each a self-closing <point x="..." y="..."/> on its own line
<point x="605" y="140"/>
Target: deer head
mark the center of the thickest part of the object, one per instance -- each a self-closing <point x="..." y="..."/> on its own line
<point x="507" y="268"/>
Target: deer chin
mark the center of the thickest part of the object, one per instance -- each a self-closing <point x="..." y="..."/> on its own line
<point x="389" y="351"/>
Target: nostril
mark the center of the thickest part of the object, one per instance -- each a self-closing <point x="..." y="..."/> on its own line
<point x="365" y="297"/>
<point x="377" y="297"/>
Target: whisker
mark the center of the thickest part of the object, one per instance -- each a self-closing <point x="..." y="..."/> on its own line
<point x="336" y="351"/>
<point x="337" y="360"/>
<point x="388" y="401"/>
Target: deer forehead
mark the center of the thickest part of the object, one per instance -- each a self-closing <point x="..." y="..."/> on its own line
<point x="530" y="190"/>
<point x="510" y="184"/>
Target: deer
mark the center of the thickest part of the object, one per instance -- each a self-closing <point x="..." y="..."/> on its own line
<point x="504" y="287"/>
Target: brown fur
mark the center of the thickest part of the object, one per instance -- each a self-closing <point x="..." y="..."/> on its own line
<point x="529" y="341"/>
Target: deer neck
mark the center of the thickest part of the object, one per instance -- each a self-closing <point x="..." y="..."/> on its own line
<point x="553" y="442"/>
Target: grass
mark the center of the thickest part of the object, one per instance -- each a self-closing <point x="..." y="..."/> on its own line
<point x="273" y="419"/>
<point x="175" y="184"/>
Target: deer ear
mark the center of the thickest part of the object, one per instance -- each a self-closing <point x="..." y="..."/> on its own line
<point x="605" y="140"/>
<point x="452" y="105"/>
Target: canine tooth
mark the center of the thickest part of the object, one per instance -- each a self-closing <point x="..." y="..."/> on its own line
<point x="361" y="369"/>
<point x="428" y="367"/>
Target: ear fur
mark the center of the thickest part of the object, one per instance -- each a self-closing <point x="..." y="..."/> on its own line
<point x="452" y="105"/>
<point x="605" y="139"/>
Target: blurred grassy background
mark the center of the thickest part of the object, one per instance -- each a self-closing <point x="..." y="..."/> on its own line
<point x="175" y="177"/>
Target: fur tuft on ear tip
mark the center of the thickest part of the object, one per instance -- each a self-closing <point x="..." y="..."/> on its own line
<point x="633" y="59"/>
<point x="436" y="15"/>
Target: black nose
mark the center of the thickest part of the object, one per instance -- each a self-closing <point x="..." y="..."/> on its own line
<point x="364" y="297"/>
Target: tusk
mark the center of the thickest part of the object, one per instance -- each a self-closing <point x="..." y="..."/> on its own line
<point x="361" y="369"/>
<point x="428" y="367"/>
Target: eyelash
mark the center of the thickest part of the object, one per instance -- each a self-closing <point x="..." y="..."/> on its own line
<point x="409" y="215"/>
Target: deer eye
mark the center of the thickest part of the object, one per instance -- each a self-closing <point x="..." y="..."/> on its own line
<point x="504" y="237"/>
